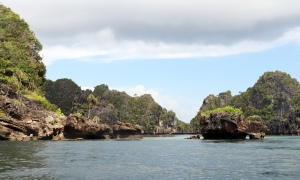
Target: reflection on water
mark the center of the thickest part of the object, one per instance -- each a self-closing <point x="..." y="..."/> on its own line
<point x="19" y="160"/>
<point x="164" y="157"/>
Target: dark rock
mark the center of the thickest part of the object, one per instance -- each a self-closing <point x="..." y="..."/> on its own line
<point x="80" y="127"/>
<point x="194" y="137"/>
<point x="127" y="131"/>
<point x="22" y="119"/>
<point x="104" y="112"/>
<point x="279" y="126"/>
<point x="230" y="126"/>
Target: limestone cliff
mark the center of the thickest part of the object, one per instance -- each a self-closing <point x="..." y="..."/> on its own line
<point x="113" y="105"/>
<point x="22" y="119"/>
<point x="275" y="98"/>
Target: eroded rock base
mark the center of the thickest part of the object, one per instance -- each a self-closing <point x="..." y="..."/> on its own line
<point x="225" y="125"/>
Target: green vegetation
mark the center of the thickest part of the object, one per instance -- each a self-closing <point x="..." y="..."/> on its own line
<point x="254" y="118"/>
<point x="92" y="101"/>
<point x="54" y="121"/>
<point x="61" y="93"/>
<point x="183" y="127"/>
<point x="43" y="102"/>
<point x="194" y="125"/>
<point x="2" y="113"/>
<point x="78" y="114"/>
<point x="228" y="109"/>
<point x="213" y="102"/>
<point x="18" y="102"/>
<point x="97" y="119"/>
<point x="274" y="96"/>
<point x="21" y="66"/>
<point x="142" y="110"/>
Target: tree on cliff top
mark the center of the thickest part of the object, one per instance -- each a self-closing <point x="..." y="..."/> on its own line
<point x="61" y="92"/>
<point x="21" y="66"/>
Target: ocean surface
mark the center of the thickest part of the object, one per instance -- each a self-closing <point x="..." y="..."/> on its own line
<point x="164" y="157"/>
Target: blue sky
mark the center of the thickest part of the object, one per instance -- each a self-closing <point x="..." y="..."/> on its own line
<point x="186" y="81"/>
<point x="176" y="51"/>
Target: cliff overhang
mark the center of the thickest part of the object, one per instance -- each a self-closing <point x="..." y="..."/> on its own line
<point x="225" y="125"/>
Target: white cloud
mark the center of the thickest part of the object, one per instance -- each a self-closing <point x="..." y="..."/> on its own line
<point x="107" y="51"/>
<point x="124" y="30"/>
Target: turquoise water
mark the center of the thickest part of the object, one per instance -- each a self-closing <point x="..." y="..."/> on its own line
<point x="171" y="157"/>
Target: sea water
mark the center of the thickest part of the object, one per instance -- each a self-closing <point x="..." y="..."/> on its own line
<point x="154" y="157"/>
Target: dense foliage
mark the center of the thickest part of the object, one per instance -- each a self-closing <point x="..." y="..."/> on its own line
<point x="43" y="102"/>
<point x="228" y="109"/>
<point x="142" y="110"/>
<point x="61" y="92"/>
<point x="213" y="102"/>
<point x="21" y="66"/>
<point x="275" y="98"/>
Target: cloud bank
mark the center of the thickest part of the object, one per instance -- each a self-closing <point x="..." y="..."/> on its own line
<point x="122" y="30"/>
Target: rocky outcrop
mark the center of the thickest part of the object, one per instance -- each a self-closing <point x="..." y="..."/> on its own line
<point x="212" y="102"/>
<point x="102" y="110"/>
<point x="193" y="137"/>
<point x="22" y="119"/>
<point x="274" y="97"/>
<point x="82" y="128"/>
<point x="116" y="106"/>
<point x="127" y="131"/>
<point x="169" y="126"/>
<point x="226" y="125"/>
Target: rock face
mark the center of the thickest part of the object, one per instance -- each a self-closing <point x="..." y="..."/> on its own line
<point x="127" y="131"/>
<point x="169" y="126"/>
<point x="104" y="112"/>
<point x="194" y="137"/>
<point x="275" y="97"/>
<point x="82" y="128"/>
<point x="116" y="106"/>
<point x="224" y="125"/>
<point x="280" y="127"/>
<point x="22" y="119"/>
<point x="212" y="102"/>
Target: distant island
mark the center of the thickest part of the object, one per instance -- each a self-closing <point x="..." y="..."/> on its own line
<point x="274" y="100"/>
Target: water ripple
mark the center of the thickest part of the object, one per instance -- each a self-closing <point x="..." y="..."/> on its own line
<point x="170" y="157"/>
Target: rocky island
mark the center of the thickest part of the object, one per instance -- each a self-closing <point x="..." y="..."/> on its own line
<point x="225" y="124"/>
<point x="272" y="101"/>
